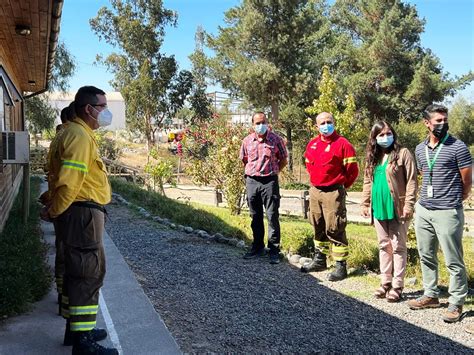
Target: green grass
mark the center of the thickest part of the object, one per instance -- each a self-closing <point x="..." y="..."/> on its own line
<point x="25" y="276"/>
<point x="296" y="233"/>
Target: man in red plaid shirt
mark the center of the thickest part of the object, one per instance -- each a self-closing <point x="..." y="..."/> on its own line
<point x="264" y="156"/>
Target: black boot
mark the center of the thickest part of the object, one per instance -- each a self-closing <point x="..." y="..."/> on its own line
<point x="318" y="263"/>
<point x="84" y="344"/>
<point x="339" y="273"/>
<point x="97" y="334"/>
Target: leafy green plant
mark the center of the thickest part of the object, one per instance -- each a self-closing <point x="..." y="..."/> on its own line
<point x="108" y="147"/>
<point x="213" y="155"/>
<point x="161" y="170"/>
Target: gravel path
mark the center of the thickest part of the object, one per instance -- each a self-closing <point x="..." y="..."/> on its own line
<point x="213" y="301"/>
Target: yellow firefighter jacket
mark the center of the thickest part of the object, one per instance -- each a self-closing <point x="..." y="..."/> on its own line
<point x="82" y="175"/>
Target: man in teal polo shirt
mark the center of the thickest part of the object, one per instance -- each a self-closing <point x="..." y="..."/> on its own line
<point x="446" y="166"/>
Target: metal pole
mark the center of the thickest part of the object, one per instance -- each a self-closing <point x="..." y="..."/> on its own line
<point x="26" y="191"/>
<point x="26" y="176"/>
<point x="304" y="203"/>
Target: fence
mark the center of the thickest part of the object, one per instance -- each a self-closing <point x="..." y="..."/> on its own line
<point x="293" y="202"/>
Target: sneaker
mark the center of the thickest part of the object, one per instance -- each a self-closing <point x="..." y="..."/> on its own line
<point x="424" y="302"/>
<point x="453" y="314"/>
<point x="274" y="258"/>
<point x="254" y="253"/>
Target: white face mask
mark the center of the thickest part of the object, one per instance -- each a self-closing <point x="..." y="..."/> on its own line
<point x="104" y="118"/>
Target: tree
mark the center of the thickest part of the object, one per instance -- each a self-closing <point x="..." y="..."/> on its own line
<point x="200" y="102"/>
<point x="150" y="83"/>
<point x="267" y="53"/>
<point x="39" y="114"/>
<point x="348" y="122"/>
<point x="383" y="63"/>
<point x="461" y="120"/>
<point x="271" y="53"/>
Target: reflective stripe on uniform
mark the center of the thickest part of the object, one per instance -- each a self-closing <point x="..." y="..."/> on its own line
<point x="82" y="310"/>
<point x="340" y="252"/>
<point x="322" y="247"/>
<point x="75" y="165"/>
<point x="82" y="326"/>
<point x="349" y="160"/>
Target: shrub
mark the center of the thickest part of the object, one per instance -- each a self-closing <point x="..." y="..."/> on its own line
<point x="108" y="147"/>
<point x="161" y="170"/>
<point x="26" y="277"/>
<point x="213" y="153"/>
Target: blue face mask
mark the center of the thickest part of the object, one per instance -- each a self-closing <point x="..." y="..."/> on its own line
<point x="326" y="129"/>
<point x="385" y="141"/>
<point x="261" y="129"/>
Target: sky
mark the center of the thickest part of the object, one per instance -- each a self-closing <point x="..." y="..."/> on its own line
<point x="449" y="33"/>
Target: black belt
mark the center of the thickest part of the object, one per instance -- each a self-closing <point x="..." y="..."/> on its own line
<point x="329" y="188"/>
<point x="263" y="178"/>
<point x="89" y="204"/>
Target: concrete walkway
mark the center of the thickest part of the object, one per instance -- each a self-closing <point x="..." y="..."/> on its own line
<point x="131" y="321"/>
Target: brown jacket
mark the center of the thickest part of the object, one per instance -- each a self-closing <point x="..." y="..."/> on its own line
<point x="402" y="182"/>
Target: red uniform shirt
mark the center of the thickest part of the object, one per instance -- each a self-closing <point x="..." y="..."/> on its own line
<point x="262" y="157"/>
<point x="331" y="162"/>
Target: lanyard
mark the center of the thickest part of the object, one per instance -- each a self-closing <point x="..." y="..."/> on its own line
<point x="431" y="163"/>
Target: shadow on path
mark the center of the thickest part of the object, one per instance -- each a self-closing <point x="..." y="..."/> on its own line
<point x="214" y="301"/>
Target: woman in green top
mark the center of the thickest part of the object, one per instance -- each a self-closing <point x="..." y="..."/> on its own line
<point x="389" y="193"/>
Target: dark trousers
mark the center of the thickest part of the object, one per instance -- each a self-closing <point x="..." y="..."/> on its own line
<point x="264" y="192"/>
<point x="82" y="230"/>
<point x="59" y="260"/>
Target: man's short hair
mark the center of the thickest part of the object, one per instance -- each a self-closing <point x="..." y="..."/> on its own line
<point x="434" y="108"/>
<point x="86" y="95"/>
<point x="259" y="113"/>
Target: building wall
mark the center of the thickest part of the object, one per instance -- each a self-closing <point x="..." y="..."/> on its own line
<point x="11" y="119"/>
<point x="115" y="103"/>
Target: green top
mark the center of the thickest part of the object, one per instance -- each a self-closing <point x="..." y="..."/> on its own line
<point x="382" y="201"/>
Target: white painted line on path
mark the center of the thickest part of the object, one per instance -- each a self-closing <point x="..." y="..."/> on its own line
<point x="109" y="324"/>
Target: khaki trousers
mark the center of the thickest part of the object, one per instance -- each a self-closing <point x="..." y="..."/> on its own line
<point x="441" y="228"/>
<point x="392" y="237"/>
<point x="328" y="216"/>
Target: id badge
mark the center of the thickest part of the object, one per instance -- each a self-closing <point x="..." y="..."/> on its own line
<point x="429" y="191"/>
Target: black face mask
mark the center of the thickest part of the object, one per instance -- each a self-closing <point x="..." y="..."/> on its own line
<point x="440" y="130"/>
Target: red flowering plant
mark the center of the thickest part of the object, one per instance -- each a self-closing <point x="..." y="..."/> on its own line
<point x="212" y="152"/>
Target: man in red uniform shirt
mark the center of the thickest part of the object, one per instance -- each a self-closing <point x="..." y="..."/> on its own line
<point x="264" y="156"/>
<point x="332" y="167"/>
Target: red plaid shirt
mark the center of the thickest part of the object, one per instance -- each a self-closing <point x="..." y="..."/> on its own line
<point x="262" y="157"/>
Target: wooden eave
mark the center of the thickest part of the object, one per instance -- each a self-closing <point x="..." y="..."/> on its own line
<point x="29" y="58"/>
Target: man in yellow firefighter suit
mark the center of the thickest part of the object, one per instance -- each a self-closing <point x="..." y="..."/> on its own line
<point x="77" y="206"/>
